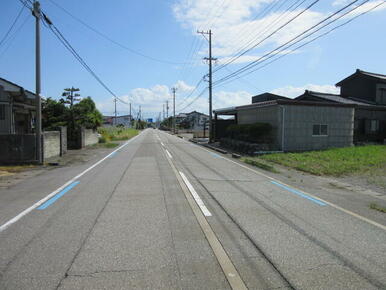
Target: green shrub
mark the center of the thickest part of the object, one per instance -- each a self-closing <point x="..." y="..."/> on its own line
<point x="249" y="132"/>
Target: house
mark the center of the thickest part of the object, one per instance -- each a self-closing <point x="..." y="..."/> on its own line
<point x="364" y="86"/>
<point x="296" y="125"/>
<point x="180" y="118"/>
<point x="194" y="120"/>
<point x="366" y="91"/>
<point x="267" y="97"/>
<point x="198" y="120"/>
<point x="17" y="109"/>
<point x="124" y="120"/>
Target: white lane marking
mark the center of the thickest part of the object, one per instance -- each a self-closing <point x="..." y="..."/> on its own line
<point x="162" y="144"/>
<point x="170" y="155"/>
<point x="378" y="225"/>
<point x="196" y="197"/>
<point x="43" y="200"/>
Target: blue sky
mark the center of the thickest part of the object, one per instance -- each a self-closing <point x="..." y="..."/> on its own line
<point x="166" y="31"/>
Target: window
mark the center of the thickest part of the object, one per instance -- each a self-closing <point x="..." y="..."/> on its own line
<point x="374" y="125"/>
<point x="381" y="95"/>
<point x="319" y="130"/>
<point x="2" y="112"/>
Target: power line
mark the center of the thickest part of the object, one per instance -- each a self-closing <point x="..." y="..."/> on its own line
<point x="321" y="35"/>
<point x="191" y="92"/>
<point x="13" y="36"/>
<point x="267" y="27"/>
<point x="194" y="100"/>
<point x="12" y="25"/>
<point x="254" y="63"/>
<point x="270" y="35"/>
<point x="110" y="39"/>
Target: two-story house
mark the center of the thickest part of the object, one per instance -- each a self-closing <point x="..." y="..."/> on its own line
<point x="367" y="92"/>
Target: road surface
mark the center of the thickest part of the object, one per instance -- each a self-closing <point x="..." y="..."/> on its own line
<point x="163" y="213"/>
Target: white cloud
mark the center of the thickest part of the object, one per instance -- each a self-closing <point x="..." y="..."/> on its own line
<point x="292" y="92"/>
<point x="367" y="6"/>
<point x="151" y="100"/>
<point x="235" y="24"/>
<point x="221" y="99"/>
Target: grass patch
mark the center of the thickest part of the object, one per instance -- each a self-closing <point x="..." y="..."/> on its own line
<point x="259" y="164"/>
<point x="16" y="168"/>
<point x="334" y="162"/>
<point x="13" y="169"/>
<point x="116" y="134"/>
<point x="377" y="207"/>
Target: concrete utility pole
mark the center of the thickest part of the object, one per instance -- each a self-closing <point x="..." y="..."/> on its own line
<point x="115" y="111"/>
<point x="38" y="122"/>
<point x="163" y="112"/>
<point x="130" y="114"/>
<point x="209" y="59"/>
<point x="174" y="109"/>
<point x="167" y="109"/>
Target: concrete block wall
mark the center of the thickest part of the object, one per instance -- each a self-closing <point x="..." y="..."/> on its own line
<point x="63" y="140"/>
<point x="51" y="144"/>
<point x="90" y="137"/>
<point x="299" y="121"/>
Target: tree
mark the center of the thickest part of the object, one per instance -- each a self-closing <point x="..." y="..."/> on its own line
<point x="86" y="114"/>
<point x="70" y="96"/>
<point x="54" y="114"/>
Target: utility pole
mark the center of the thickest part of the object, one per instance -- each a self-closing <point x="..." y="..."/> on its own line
<point x="209" y="59"/>
<point x="167" y="109"/>
<point x="130" y="114"/>
<point x="174" y="109"/>
<point x="38" y="122"/>
<point x="115" y="111"/>
<point x="140" y="113"/>
<point x="163" y="112"/>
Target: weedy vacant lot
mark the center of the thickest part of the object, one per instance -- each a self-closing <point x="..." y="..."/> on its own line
<point x="116" y="134"/>
<point x="334" y="162"/>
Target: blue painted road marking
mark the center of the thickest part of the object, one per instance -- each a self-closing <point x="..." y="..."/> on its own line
<point x="59" y="195"/>
<point x="215" y="155"/>
<point x="299" y="193"/>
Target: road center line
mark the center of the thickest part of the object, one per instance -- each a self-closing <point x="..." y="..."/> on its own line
<point x="222" y="257"/>
<point x="59" y="195"/>
<point x="43" y="200"/>
<point x="195" y="195"/>
<point x="168" y="153"/>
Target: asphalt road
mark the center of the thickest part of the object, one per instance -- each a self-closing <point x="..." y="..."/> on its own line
<point x="163" y="213"/>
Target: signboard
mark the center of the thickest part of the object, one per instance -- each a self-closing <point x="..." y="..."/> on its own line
<point x="150" y="120"/>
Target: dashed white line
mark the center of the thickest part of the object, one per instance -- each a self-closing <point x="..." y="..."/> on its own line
<point x="162" y="144"/>
<point x="168" y="153"/>
<point x="196" y="197"/>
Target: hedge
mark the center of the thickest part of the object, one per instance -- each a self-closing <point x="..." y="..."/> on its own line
<point x="254" y="133"/>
